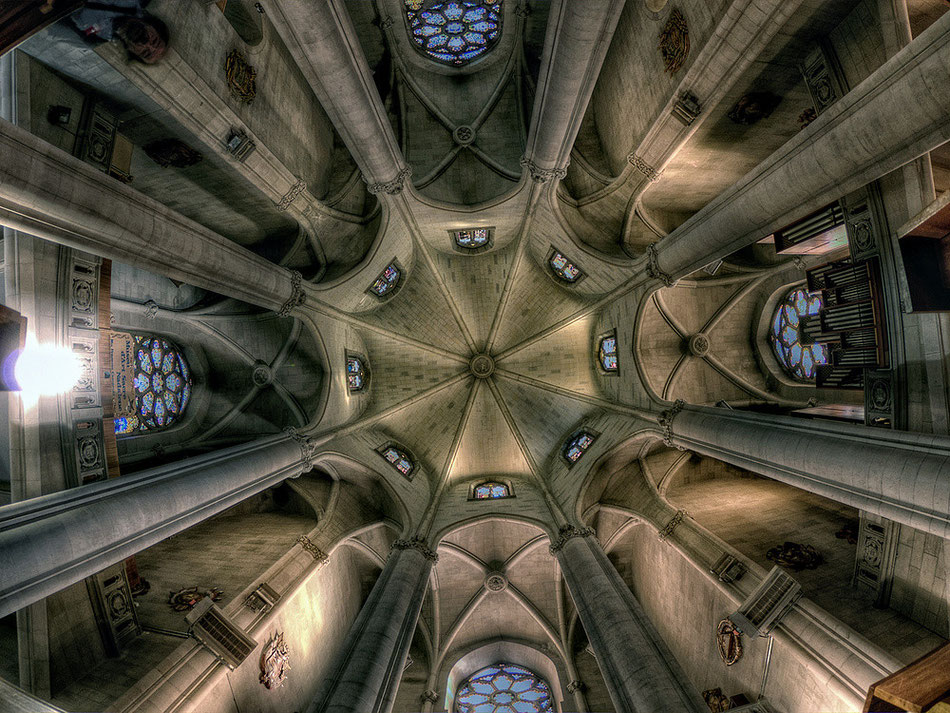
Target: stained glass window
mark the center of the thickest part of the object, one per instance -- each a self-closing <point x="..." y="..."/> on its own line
<point x="491" y="490"/>
<point x="504" y="688"/>
<point x="355" y="373"/>
<point x="386" y="281"/>
<point x="472" y="238"/>
<point x="799" y="360"/>
<point x="161" y="384"/>
<point x="577" y="445"/>
<point x="454" y="32"/>
<point x="399" y="460"/>
<point x="564" y="268"/>
<point x="608" y="353"/>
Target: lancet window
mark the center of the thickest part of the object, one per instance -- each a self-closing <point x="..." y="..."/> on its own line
<point x="564" y="268"/>
<point x="355" y="373"/>
<point x="387" y="281"/>
<point x="799" y="360"/>
<point x="398" y="460"/>
<point x="455" y="32"/>
<point x="152" y="383"/>
<point x="472" y="238"/>
<point x="504" y="688"/>
<point x="578" y="445"/>
<point x="491" y="490"/>
<point x="607" y="353"/>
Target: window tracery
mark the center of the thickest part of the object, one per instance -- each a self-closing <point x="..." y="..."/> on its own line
<point x="472" y="238"/>
<point x="607" y="353"/>
<point x="398" y="460"/>
<point x="355" y="373"/>
<point x="564" y="268"/>
<point x="491" y="490"/>
<point x="504" y="688"/>
<point x="800" y="361"/>
<point x="454" y="32"/>
<point x="156" y="383"/>
<point x="387" y="281"/>
<point x="578" y="445"/>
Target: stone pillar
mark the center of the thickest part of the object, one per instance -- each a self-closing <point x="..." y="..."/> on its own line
<point x="640" y="672"/>
<point x="374" y="654"/>
<point x="899" y="475"/>
<point x="326" y="46"/>
<point x="52" y="541"/>
<point x="578" y="36"/>
<point x="48" y="193"/>
<point x="865" y="135"/>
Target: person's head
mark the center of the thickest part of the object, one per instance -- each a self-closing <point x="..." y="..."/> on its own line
<point x="145" y="38"/>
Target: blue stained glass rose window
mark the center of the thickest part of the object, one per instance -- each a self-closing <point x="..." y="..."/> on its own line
<point x="162" y="387"/>
<point x="800" y="361"/>
<point x="454" y="32"/>
<point x="504" y="688"/>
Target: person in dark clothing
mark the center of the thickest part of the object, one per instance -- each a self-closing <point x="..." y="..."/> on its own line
<point x="144" y="36"/>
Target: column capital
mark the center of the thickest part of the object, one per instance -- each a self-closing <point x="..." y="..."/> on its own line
<point x="393" y="187"/>
<point x="318" y="555"/>
<point x="665" y="421"/>
<point x="653" y="267"/>
<point x="569" y="532"/>
<point x="297" y="295"/>
<point x="543" y="175"/>
<point x="416" y="543"/>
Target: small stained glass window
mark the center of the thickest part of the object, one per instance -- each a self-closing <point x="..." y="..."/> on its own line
<point x="399" y="460"/>
<point x="155" y="382"/>
<point x="800" y="361"/>
<point x="608" y="353"/>
<point x="386" y="281"/>
<point x="504" y="688"/>
<point x="578" y="444"/>
<point x="564" y="268"/>
<point x="454" y="32"/>
<point x="491" y="490"/>
<point x="473" y="238"/>
<point x="355" y="373"/>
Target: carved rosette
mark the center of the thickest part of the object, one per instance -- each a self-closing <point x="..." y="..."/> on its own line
<point x="653" y="267"/>
<point x="543" y="175"/>
<point x="643" y="167"/>
<point x="665" y="420"/>
<point x="568" y="532"/>
<point x="429" y="696"/>
<point x="318" y="555"/>
<point x="307" y="448"/>
<point x="291" y="195"/>
<point x="297" y="295"/>
<point x="393" y="187"/>
<point x="496" y="582"/>
<point x="416" y="543"/>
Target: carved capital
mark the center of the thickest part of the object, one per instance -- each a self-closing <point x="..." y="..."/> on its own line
<point x="522" y="10"/>
<point x="430" y="696"/>
<point x="543" y="175"/>
<point x="318" y="555"/>
<point x="393" y="187"/>
<point x="416" y="543"/>
<point x="665" y="420"/>
<point x="643" y="167"/>
<point x="653" y="267"/>
<point x="677" y="518"/>
<point x="576" y="686"/>
<point x="297" y="295"/>
<point x="568" y="532"/>
<point x="307" y="449"/>
<point x="291" y="195"/>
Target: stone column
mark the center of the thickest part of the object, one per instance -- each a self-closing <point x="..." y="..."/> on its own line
<point x="48" y="193"/>
<point x="640" y="672"/>
<point x="374" y="654"/>
<point x="52" y="541"/>
<point x="323" y="41"/>
<point x="897" y="114"/>
<point x="899" y="475"/>
<point x="578" y="36"/>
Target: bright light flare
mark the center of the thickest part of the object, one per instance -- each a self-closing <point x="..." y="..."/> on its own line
<point x="45" y="369"/>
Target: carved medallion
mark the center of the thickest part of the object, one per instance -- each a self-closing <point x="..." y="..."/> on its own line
<point x="753" y="107"/>
<point x="241" y="77"/>
<point x="730" y="642"/>
<point x="172" y="152"/>
<point x="795" y="556"/>
<point x="275" y="662"/>
<point x="674" y="42"/>
<point x="185" y="599"/>
<point x="716" y="701"/>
